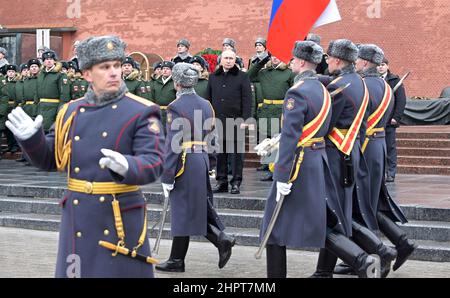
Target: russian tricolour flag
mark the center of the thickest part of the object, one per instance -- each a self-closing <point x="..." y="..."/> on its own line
<point x="291" y="20"/>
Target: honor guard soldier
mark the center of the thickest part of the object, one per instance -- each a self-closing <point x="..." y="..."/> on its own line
<point x="344" y="154"/>
<point x="374" y="152"/>
<point x="185" y="178"/>
<point x="9" y="100"/>
<point x="53" y="89"/>
<point x="79" y="85"/>
<point x="163" y="92"/>
<point x="132" y="79"/>
<point x="183" y="55"/>
<point x="274" y="78"/>
<point x="108" y="142"/>
<point x="201" y="88"/>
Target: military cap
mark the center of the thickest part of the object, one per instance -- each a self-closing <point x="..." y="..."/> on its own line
<point x="3" y="51"/>
<point x="157" y="65"/>
<point x="49" y="54"/>
<point x="371" y="53"/>
<point x="168" y="64"/>
<point x="11" y="67"/>
<point x="309" y="51"/>
<point x="3" y="69"/>
<point x="65" y="64"/>
<point x="262" y="41"/>
<point x="343" y="49"/>
<point x="229" y="41"/>
<point x="129" y="60"/>
<point x="74" y="65"/>
<point x="185" y="74"/>
<point x="34" y="61"/>
<point x="314" y="37"/>
<point x="184" y="42"/>
<point x="23" y="66"/>
<point x="98" y="49"/>
<point x="200" y="60"/>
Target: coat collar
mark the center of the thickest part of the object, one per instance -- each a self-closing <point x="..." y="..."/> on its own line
<point x="234" y="71"/>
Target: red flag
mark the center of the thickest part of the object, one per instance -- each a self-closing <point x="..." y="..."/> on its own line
<point x="292" y="20"/>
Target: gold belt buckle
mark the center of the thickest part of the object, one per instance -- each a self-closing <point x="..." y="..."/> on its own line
<point x="88" y="187"/>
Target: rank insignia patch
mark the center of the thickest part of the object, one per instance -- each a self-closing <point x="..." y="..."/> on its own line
<point x="153" y="125"/>
<point x="290" y="104"/>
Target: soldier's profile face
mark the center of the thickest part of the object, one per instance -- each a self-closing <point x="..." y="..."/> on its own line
<point x="360" y="64"/>
<point x="296" y="65"/>
<point x="24" y="72"/>
<point x="105" y="77"/>
<point x="198" y="66"/>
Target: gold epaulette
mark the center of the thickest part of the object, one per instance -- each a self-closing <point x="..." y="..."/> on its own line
<point x="139" y="99"/>
<point x="335" y="80"/>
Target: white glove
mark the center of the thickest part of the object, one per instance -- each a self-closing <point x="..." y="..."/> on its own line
<point x="283" y="189"/>
<point x="115" y="161"/>
<point x="166" y="188"/>
<point x="262" y="145"/>
<point x="21" y="125"/>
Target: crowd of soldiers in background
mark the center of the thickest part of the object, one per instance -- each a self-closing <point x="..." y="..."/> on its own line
<point x="43" y="84"/>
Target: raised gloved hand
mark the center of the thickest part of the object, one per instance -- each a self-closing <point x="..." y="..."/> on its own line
<point x="115" y="161"/>
<point x="261" y="148"/>
<point x="21" y="125"/>
<point x="166" y="188"/>
<point x="264" y="57"/>
<point x="283" y="189"/>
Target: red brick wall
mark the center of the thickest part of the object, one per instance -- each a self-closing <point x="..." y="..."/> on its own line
<point x="415" y="34"/>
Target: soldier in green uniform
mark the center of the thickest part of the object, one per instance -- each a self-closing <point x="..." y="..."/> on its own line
<point x="53" y="89"/>
<point x="78" y="85"/>
<point x="20" y="78"/>
<point x="274" y="78"/>
<point x="29" y="89"/>
<point x="9" y="100"/>
<point x="164" y="92"/>
<point x="132" y="78"/>
<point x="202" y="84"/>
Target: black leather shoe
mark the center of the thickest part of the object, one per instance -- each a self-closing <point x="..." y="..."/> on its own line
<point x="404" y="250"/>
<point x="235" y="190"/>
<point x="174" y="265"/>
<point x="321" y="274"/>
<point x="390" y="179"/>
<point x="220" y="187"/>
<point x="268" y="177"/>
<point x="225" y="244"/>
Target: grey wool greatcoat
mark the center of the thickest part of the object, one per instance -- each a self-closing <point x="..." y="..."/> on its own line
<point x="191" y="200"/>
<point x="130" y="125"/>
<point x="302" y="220"/>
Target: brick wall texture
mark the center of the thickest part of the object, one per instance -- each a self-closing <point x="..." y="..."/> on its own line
<point x="415" y="34"/>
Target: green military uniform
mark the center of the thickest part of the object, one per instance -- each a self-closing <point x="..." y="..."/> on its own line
<point x="8" y="101"/>
<point x="135" y="85"/>
<point x="29" y="95"/>
<point x="274" y="83"/>
<point x="53" y="91"/>
<point x="202" y="86"/>
<point x="3" y="103"/>
<point x="78" y="85"/>
<point x="163" y="94"/>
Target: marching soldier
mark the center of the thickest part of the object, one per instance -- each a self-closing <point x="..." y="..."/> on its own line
<point x="301" y="173"/>
<point x="132" y="79"/>
<point x="374" y="150"/>
<point x="274" y="80"/>
<point x="344" y="154"/>
<point x="104" y="224"/>
<point x="10" y="100"/>
<point x="183" y="55"/>
<point x="163" y="92"/>
<point x="185" y="174"/>
<point x="201" y="88"/>
<point x="53" y="89"/>
<point x="322" y="68"/>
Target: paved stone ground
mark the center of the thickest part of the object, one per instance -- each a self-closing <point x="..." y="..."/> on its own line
<point x="29" y="253"/>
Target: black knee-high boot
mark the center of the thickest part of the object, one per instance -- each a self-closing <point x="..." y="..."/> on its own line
<point x="222" y="241"/>
<point x="398" y="237"/>
<point x="371" y="244"/>
<point x="325" y="264"/>
<point x="349" y="252"/>
<point x="175" y="263"/>
<point x="276" y="261"/>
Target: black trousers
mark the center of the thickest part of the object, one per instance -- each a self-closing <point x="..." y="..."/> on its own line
<point x="236" y="162"/>
<point x="391" y="151"/>
<point x="12" y="143"/>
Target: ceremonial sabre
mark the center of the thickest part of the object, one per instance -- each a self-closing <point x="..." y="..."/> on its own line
<point x="161" y="224"/>
<point x="127" y="252"/>
<point x="401" y="81"/>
